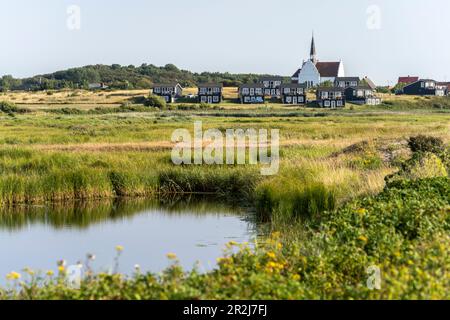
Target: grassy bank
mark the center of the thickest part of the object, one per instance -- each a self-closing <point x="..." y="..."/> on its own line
<point x="403" y="231"/>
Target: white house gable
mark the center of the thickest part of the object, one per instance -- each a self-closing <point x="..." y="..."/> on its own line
<point x="309" y="74"/>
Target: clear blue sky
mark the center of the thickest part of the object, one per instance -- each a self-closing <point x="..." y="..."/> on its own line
<point x="259" y="36"/>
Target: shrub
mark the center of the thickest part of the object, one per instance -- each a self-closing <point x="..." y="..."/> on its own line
<point x="10" y="108"/>
<point x="422" y="143"/>
<point x="421" y="165"/>
<point x="156" y="102"/>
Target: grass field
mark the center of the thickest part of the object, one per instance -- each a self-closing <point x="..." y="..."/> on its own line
<point x="329" y="158"/>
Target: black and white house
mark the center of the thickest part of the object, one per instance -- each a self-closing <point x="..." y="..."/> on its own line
<point x="361" y="95"/>
<point x="345" y="82"/>
<point x="331" y="97"/>
<point x="424" y="87"/>
<point x="251" y="93"/>
<point x="293" y="93"/>
<point x="210" y="93"/>
<point x="169" y="91"/>
<point x="271" y="86"/>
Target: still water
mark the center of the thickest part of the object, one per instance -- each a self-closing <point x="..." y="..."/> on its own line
<point x="196" y="231"/>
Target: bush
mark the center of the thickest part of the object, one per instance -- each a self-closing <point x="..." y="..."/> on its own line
<point x="156" y="102"/>
<point x="11" y="108"/>
<point x="422" y="165"/>
<point x="423" y="143"/>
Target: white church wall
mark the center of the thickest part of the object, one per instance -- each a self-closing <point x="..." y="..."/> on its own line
<point x="309" y="74"/>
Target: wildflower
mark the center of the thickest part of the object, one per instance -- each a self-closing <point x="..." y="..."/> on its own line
<point x="61" y="263"/>
<point x="13" y="276"/>
<point x="50" y="273"/>
<point x="363" y="239"/>
<point x="296" y="277"/>
<point x="119" y="248"/>
<point x="171" y="256"/>
<point x="232" y="243"/>
<point x="362" y="211"/>
<point x="271" y="255"/>
<point x="61" y="269"/>
<point x="137" y="268"/>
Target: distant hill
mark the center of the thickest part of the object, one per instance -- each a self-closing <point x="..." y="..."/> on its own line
<point x="122" y="77"/>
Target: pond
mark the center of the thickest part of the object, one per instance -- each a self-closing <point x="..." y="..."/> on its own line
<point x="196" y="231"/>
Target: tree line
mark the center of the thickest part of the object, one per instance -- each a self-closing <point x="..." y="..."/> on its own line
<point x="122" y="77"/>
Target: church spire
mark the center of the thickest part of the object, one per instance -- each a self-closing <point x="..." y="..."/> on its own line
<point x="313" y="55"/>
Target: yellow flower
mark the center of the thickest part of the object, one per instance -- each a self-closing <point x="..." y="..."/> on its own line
<point x="171" y="256"/>
<point x="296" y="277"/>
<point x="119" y="248"/>
<point x="232" y="243"/>
<point x="61" y="269"/>
<point x="29" y="271"/>
<point x="13" y="276"/>
<point x="50" y="273"/>
<point x="363" y="239"/>
<point x="271" y="255"/>
<point x="362" y="211"/>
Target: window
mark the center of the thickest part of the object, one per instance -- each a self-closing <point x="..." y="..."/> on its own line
<point x="157" y="90"/>
<point x="324" y="95"/>
<point x="258" y="91"/>
<point x="245" y="90"/>
<point x="216" y="90"/>
<point x="327" y="103"/>
<point x="252" y="91"/>
<point x="288" y="99"/>
<point x="299" y="90"/>
<point x="203" y="99"/>
<point x="202" y="90"/>
<point x="287" y="90"/>
<point x="215" y="99"/>
<point x="300" y="99"/>
<point x="339" y="103"/>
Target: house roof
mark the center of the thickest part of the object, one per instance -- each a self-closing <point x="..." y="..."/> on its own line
<point x="408" y="79"/>
<point x="330" y="89"/>
<point x="296" y="74"/>
<point x="293" y="85"/>
<point x="360" y="88"/>
<point x="328" y="69"/>
<point x="210" y="85"/>
<point x="370" y="83"/>
<point x="252" y="85"/>
<point x="347" y="79"/>
<point x="173" y="84"/>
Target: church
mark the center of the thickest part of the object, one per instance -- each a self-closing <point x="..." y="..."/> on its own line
<point x="314" y="72"/>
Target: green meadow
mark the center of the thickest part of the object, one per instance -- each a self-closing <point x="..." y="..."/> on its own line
<point x="351" y="192"/>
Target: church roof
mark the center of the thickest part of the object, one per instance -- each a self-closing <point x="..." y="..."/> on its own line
<point x="328" y="69"/>
<point x="297" y="73"/>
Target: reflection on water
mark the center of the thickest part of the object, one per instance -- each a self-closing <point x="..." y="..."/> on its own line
<point x="194" y="229"/>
